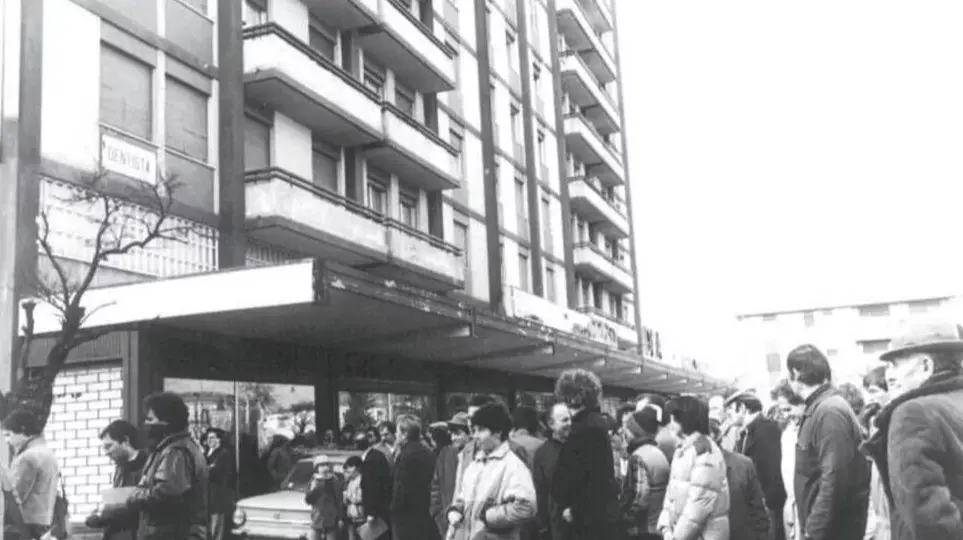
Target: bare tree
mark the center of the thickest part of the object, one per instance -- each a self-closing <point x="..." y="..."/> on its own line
<point x="129" y="220"/>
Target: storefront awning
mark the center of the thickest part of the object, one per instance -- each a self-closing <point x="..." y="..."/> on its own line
<point x="316" y="303"/>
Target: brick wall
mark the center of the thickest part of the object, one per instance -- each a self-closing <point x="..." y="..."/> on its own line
<point x="86" y="400"/>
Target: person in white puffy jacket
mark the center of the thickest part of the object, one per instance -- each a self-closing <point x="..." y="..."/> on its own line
<point x="697" y="499"/>
<point x="496" y="495"/>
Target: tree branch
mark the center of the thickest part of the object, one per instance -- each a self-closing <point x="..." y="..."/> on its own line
<point x="44" y="240"/>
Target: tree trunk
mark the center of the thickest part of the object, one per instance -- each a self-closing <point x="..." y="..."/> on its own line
<point x="36" y="394"/>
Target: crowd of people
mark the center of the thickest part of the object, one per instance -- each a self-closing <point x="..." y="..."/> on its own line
<point x="823" y="462"/>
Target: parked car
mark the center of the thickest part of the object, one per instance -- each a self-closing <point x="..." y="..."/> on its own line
<point x="284" y="514"/>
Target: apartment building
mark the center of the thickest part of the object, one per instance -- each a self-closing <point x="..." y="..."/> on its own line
<point x="852" y="336"/>
<point x="389" y="203"/>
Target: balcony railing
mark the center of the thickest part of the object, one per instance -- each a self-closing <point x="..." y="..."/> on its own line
<point x="403" y="42"/>
<point x="586" y="91"/>
<point x="596" y="147"/>
<point x="293" y="213"/>
<point x="287" y="74"/>
<point x="415" y="152"/>
<point x="579" y="34"/>
<point x="603" y="266"/>
<point x="590" y="201"/>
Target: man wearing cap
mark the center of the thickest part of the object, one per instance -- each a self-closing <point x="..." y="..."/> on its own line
<point x="446" y="471"/>
<point x="760" y="441"/>
<point x="918" y="445"/>
<point x="831" y="476"/>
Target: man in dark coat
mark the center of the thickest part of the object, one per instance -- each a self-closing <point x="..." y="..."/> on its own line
<point x="172" y="494"/>
<point x="918" y="445"/>
<point x="584" y="485"/>
<point x="761" y="441"/>
<point x="446" y="469"/>
<point x="832" y="477"/>
<point x="549" y="520"/>
<point x="376" y="483"/>
<point x="120" y="442"/>
<point x="748" y="515"/>
<point x="411" y="497"/>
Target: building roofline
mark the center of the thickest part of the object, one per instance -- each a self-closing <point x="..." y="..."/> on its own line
<point x="865" y="302"/>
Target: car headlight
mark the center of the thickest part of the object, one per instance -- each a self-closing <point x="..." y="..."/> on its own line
<point x="239" y="518"/>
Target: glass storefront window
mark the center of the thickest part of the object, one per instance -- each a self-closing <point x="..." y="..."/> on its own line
<point x="252" y="414"/>
<point x="540" y="401"/>
<point x="362" y="410"/>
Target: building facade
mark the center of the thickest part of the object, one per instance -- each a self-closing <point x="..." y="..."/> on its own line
<point x="388" y="205"/>
<point x="852" y="336"/>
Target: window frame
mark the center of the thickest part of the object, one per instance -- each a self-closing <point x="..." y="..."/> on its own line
<point x="173" y="82"/>
<point x="148" y="134"/>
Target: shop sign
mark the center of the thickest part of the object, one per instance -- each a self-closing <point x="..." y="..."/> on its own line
<point x="122" y="157"/>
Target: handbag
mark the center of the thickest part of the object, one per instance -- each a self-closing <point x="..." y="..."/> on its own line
<point x="60" y="526"/>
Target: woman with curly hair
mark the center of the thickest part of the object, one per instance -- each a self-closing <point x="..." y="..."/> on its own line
<point x="584" y="486"/>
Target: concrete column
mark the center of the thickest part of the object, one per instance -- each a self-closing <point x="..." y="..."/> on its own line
<point x="232" y="243"/>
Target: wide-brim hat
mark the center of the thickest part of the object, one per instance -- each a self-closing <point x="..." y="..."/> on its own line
<point x="925" y="336"/>
<point x="743" y="395"/>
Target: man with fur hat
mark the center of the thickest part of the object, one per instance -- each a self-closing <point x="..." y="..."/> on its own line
<point x="584" y="484"/>
<point x="643" y="489"/>
<point x="918" y="446"/>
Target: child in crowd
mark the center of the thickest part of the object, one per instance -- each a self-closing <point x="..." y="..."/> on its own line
<point x="353" y="509"/>
<point x="326" y="499"/>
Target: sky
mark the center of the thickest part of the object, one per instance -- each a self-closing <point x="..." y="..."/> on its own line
<point x="788" y="153"/>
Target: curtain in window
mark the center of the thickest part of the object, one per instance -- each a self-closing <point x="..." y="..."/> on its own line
<point x="125" y="92"/>
<point x="186" y="110"/>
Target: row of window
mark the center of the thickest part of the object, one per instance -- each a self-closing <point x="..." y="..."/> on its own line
<point x="870" y="310"/>
<point x="127" y="104"/>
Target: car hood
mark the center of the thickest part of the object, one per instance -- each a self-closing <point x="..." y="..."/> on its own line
<point x="279" y="500"/>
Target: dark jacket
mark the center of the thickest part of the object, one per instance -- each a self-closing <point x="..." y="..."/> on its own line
<point x="748" y="518"/>
<point x="832" y="477"/>
<point x="326" y="498"/>
<point x="376" y="484"/>
<point x="549" y="515"/>
<point x="172" y="494"/>
<point x="121" y="525"/>
<point x="443" y="486"/>
<point x="918" y="449"/>
<point x="762" y="443"/>
<point x="585" y="477"/>
<point x="222" y="480"/>
<point x="279" y="462"/>
<point x="411" y="497"/>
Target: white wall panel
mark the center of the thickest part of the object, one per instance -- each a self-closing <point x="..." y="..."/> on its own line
<point x="291" y="146"/>
<point x="71" y="84"/>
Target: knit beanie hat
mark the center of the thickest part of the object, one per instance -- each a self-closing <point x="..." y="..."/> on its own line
<point x="644" y="422"/>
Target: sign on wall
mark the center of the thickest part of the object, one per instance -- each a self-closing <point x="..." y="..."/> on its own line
<point x="122" y="157"/>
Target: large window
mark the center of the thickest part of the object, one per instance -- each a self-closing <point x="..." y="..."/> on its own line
<point x="186" y="120"/>
<point x="461" y="242"/>
<point x="408" y="207"/>
<point x="251" y="413"/>
<point x="324" y="165"/>
<point x="524" y="272"/>
<point x="405" y="99"/>
<point x="125" y="92"/>
<point x="254" y="12"/>
<point x="377" y="193"/>
<point x="550" y="294"/>
<point x="323" y="39"/>
<point x="547" y="236"/>
<point x="257" y="144"/>
<point x="521" y="208"/>
<point x="361" y="410"/>
<point x="374" y="76"/>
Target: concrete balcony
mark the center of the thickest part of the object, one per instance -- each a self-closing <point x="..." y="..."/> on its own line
<point x="585" y="91"/>
<point x="423" y="259"/>
<point x="599" y="158"/>
<point x="409" y="48"/>
<point x="414" y="152"/>
<point x="599" y="15"/>
<point x="284" y="73"/>
<point x="344" y="14"/>
<point x="291" y="213"/>
<point x="587" y="200"/>
<point x="594" y="263"/>
<point x="579" y="35"/>
<point x="624" y="330"/>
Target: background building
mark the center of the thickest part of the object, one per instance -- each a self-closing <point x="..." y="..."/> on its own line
<point x="418" y="200"/>
<point x="852" y="336"/>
